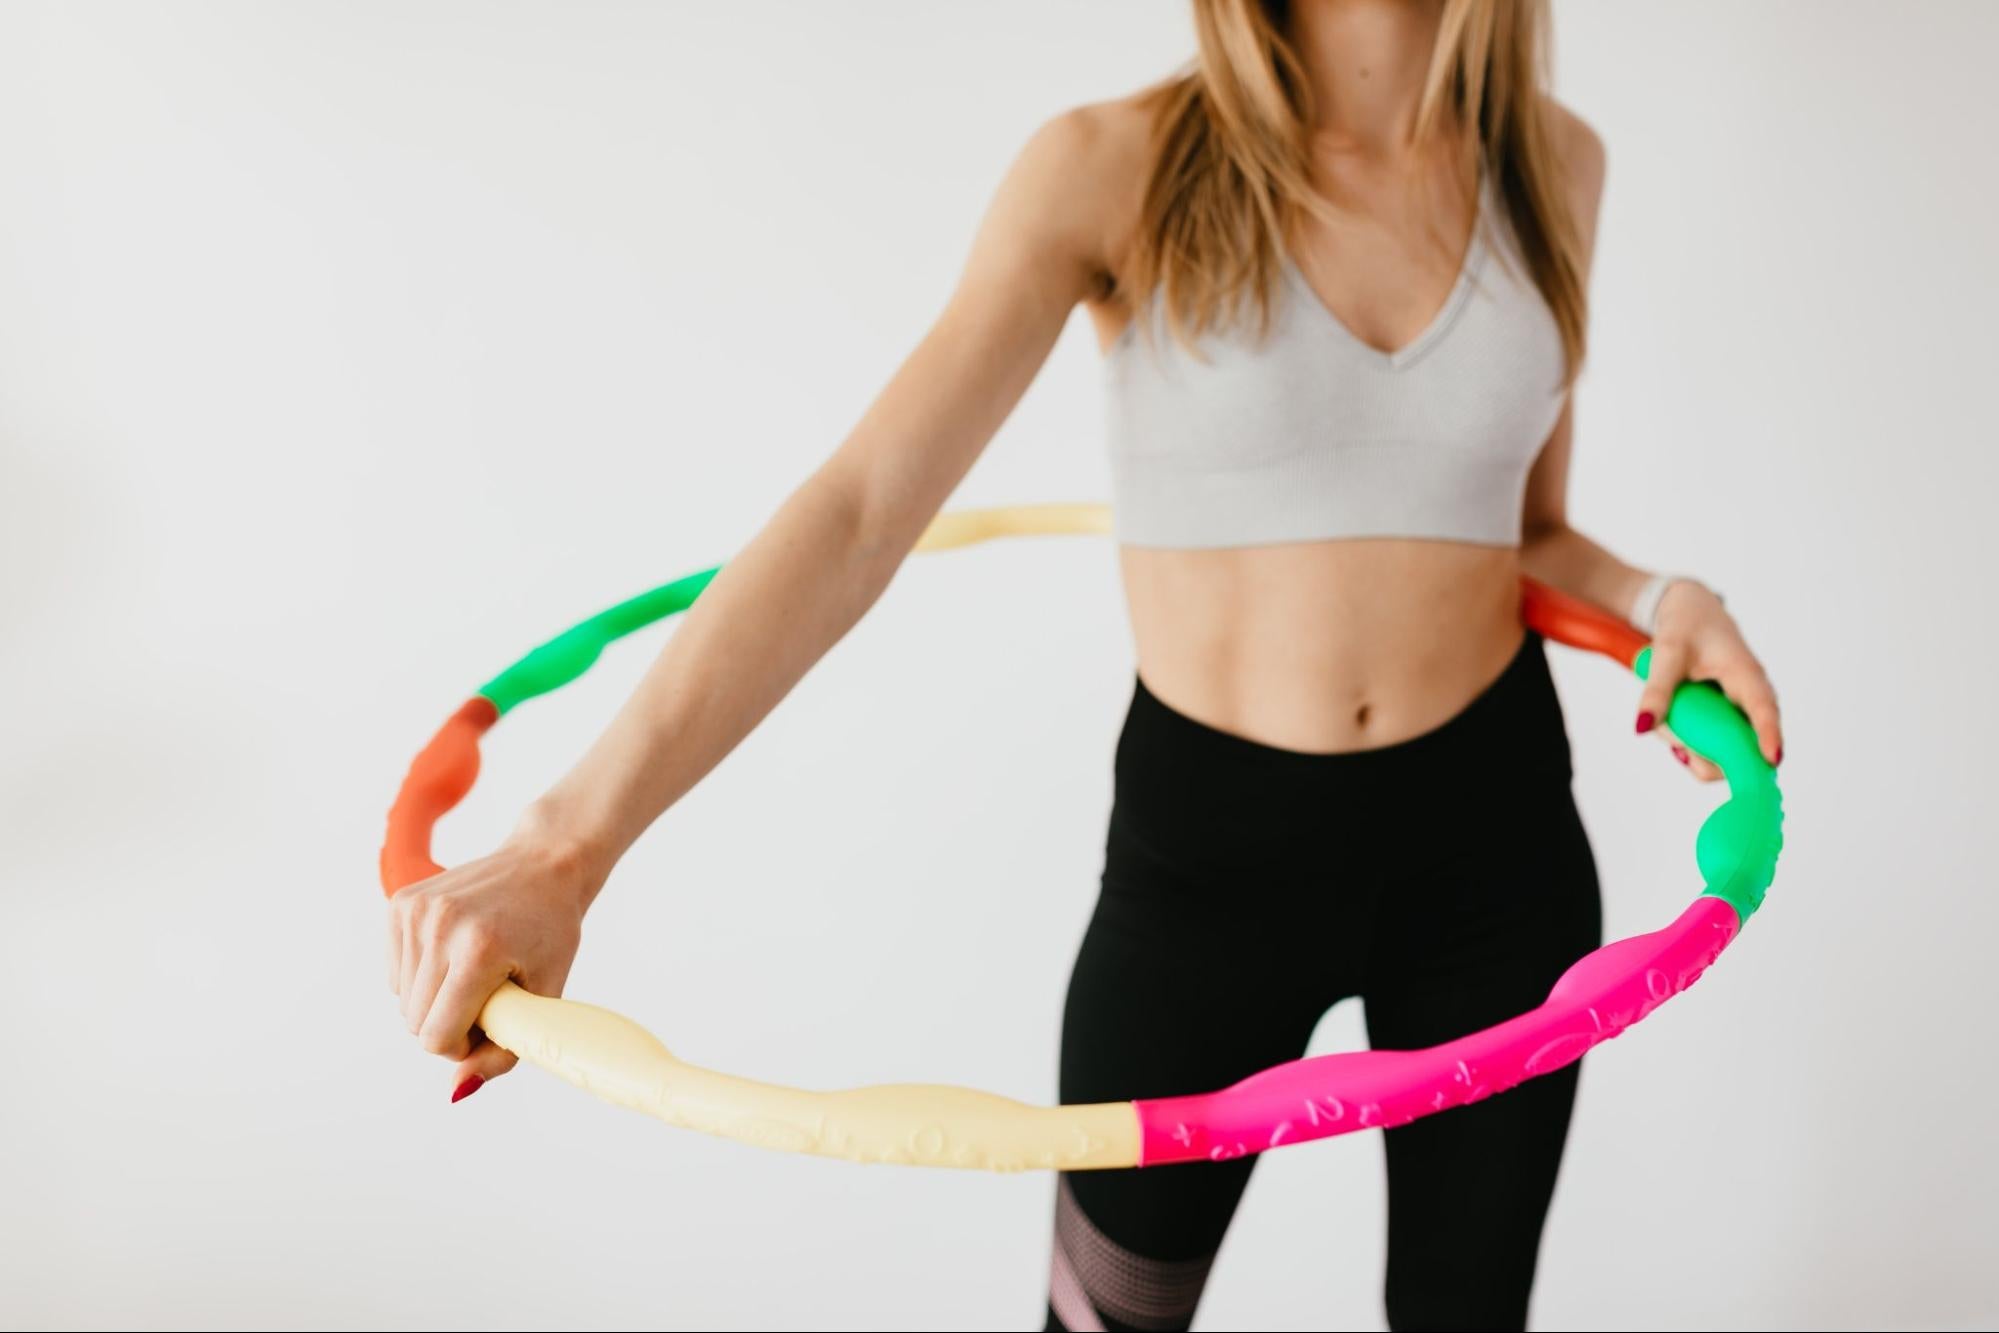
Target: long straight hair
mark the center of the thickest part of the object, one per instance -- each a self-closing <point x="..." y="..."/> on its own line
<point x="1231" y="171"/>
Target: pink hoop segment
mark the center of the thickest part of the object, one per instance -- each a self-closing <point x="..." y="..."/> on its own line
<point x="1600" y="996"/>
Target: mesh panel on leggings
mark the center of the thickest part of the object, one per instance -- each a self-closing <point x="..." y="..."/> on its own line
<point x="1115" y="1283"/>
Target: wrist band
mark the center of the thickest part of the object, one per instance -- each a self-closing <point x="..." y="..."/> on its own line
<point x="1645" y="606"/>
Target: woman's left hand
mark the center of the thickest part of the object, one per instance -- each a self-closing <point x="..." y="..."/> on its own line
<point x="1696" y="639"/>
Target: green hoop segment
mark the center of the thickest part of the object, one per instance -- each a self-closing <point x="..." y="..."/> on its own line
<point x="573" y="652"/>
<point x="1738" y="845"/>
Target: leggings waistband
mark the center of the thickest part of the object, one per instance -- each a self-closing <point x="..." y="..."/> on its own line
<point x="1511" y="727"/>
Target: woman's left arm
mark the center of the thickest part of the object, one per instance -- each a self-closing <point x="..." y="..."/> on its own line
<point x="1693" y="635"/>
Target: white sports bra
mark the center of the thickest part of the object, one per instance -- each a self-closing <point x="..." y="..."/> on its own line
<point x="1312" y="434"/>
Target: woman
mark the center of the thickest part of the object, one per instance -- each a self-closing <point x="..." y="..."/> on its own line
<point x="1338" y="271"/>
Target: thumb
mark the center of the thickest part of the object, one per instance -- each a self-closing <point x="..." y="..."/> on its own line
<point x="1669" y="668"/>
<point x="485" y="1063"/>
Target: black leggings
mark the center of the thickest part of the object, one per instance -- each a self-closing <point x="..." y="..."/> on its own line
<point x="1445" y="880"/>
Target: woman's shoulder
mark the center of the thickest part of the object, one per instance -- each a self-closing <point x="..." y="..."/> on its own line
<point x="1580" y="153"/>
<point x="1580" y="150"/>
<point x="1086" y="170"/>
<point x="1104" y="133"/>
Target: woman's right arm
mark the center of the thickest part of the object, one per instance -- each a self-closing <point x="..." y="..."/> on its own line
<point x="775" y="609"/>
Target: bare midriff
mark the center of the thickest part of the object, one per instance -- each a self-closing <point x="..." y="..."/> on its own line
<point x="1323" y="646"/>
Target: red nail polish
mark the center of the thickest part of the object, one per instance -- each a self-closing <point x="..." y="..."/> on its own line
<point x="1780" y="757"/>
<point x="467" y="1088"/>
<point x="1645" y="721"/>
<point x="1680" y="753"/>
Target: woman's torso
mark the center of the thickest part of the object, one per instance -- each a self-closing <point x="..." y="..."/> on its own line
<point x="1355" y="640"/>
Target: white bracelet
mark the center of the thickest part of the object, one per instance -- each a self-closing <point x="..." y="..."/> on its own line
<point x="1644" y="614"/>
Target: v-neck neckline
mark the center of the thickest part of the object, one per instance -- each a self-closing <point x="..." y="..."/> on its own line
<point x="1440" y="323"/>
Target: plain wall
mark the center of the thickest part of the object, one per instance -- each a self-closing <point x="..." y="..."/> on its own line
<point x="346" y="350"/>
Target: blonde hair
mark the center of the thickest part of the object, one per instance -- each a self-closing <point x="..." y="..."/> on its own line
<point x="1231" y="172"/>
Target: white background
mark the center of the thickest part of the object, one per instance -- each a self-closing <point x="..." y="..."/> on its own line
<point x="346" y="350"/>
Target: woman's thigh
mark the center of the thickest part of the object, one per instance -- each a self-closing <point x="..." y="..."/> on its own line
<point x="1478" y="937"/>
<point x="1169" y="995"/>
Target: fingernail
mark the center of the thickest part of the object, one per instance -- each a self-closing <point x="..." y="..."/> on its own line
<point x="467" y="1088"/>
<point x="1780" y="757"/>
<point x="1645" y="721"/>
<point x="1680" y="753"/>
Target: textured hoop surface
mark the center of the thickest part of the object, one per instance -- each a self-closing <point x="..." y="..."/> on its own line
<point x="928" y="1125"/>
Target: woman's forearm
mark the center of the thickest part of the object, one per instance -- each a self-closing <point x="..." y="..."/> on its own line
<point x="1566" y="560"/>
<point x="832" y="548"/>
<point x="773" y="611"/>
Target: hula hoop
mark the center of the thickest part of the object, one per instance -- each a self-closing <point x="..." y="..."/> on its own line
<point x="1599" y="997"/>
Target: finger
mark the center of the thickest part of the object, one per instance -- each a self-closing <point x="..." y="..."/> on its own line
<point x="485" y="1063"/>
<point x="421" y="992"/>
<point x="1700" y="768"/>
<point x="1669" y="668"/>
<point x="486" y="1060"/>
<point x="447" y="1029"/>
<point x="395" y="942"/>
<point x="1751" y="691"/>
<point x="411" y="951"/>
<point x="546" y="980"/>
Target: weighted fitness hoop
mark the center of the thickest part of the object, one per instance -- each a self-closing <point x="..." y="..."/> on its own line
<point x="1599" y="997"/>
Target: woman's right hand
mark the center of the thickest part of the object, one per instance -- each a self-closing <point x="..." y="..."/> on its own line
<point x="783" y="600"/>
<point x="453" y="938"/>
